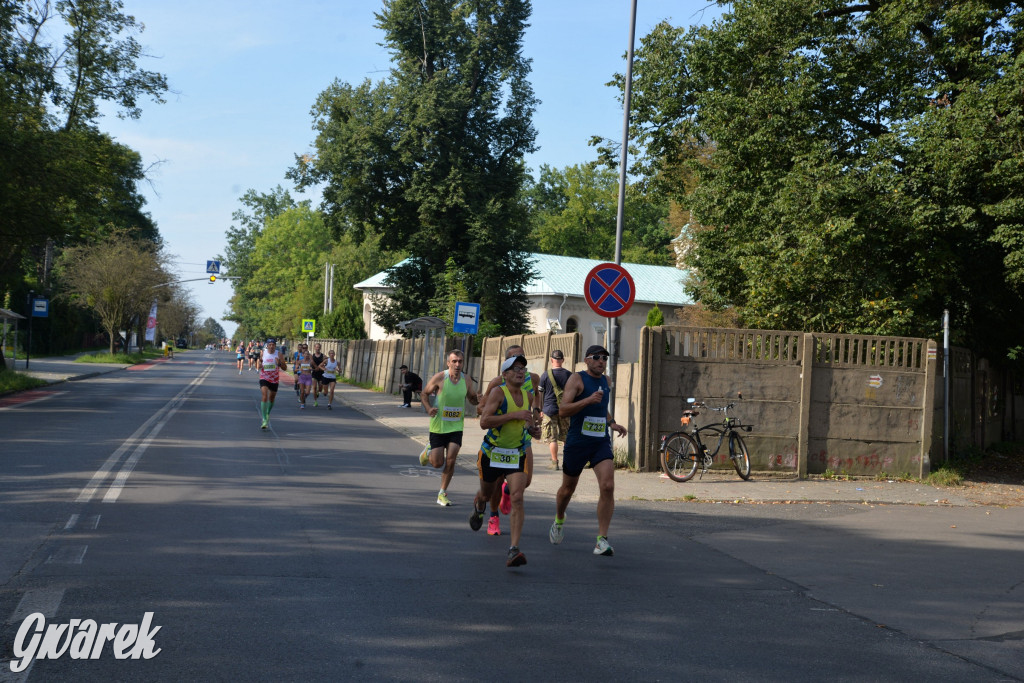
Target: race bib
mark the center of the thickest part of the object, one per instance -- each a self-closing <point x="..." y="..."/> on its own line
<point x="505" y="458"/>
<point x="305" y="367"/>
<point x="595" y="426"/>
<point x="451" y="414"/>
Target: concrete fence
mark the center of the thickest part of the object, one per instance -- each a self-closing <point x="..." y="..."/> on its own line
<point x="855" y="404"/>
<point x="846" y="403"/>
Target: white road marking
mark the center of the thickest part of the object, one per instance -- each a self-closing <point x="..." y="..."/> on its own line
<point x="68" y="554"/>
<point x="171" y="408"/>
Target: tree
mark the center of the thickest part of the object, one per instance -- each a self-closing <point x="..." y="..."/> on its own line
<point x="829" y="136"/>
<point x="240" y="255"/>
<point x="430" y="159"/>
<point x="573" y="213"/>
<point x="655" y="317"/>
<point x="60" y="177"/>
<point x="117" y="278"/>
<point x="213" y="329"/>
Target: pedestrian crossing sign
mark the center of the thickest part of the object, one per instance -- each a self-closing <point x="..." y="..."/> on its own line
<point x="308" y="326"/>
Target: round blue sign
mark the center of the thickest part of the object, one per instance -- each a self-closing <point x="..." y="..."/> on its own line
<point x="609" y="290"/>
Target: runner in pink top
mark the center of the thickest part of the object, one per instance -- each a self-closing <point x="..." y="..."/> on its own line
<point x="270" y="365"/>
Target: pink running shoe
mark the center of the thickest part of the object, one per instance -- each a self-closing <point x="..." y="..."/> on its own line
<point x="494" y="526"/>
<point x="505" y="506"/>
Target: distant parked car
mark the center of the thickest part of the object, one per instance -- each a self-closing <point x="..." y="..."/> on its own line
<point x="181" y="343"/>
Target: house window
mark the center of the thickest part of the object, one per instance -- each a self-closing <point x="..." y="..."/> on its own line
<point x="571" y="325"/>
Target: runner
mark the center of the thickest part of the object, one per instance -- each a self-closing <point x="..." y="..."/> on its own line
<point x="330" y="377"/>
<point x="501" y="502"/>
<point x="251" y="354"/>
<point x="299" y="349"/>
<point x="446" y="419"/>
<point x="240" y="356"/>
<point x="304" y="376"/>
<point x="508" y="418"/>
<point x="270" y="365"/>
<point x="585" y="401"/>
<point x="318" y="373"/>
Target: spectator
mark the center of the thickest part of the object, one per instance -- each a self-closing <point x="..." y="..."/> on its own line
<point x="410" y="382"/>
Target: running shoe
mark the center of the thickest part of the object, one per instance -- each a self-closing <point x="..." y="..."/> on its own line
<point x="603" y="547"/>
<point x="556" y="533"/>
<point x="264" y="425"/>
<point x="442" y="499"/>
<point x="476" y="518"/>
<point x="328" y="406"/>
<point x="505" y="506"/>
<point x="302" y="406"/>
<point x="515" y="557"/>
<point x="425" y="456"/>
<point x="494" y="526"/>
<point x="316" y="403"/>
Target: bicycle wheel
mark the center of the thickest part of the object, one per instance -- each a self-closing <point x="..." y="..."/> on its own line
<point x="679" y="457"/>
<point x="740" y="457"/>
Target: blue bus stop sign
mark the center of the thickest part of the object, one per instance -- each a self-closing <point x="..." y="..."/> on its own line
<point x="467" y="318"/>
<point x="609" y="290"/>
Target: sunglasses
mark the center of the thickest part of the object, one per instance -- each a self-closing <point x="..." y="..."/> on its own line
<point x="598" y="356"/>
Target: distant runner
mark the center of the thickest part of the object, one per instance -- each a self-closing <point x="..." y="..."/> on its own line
<point x="318" y="373"/>
<point x="270" y="365"/>
<point x="330" y="377"/>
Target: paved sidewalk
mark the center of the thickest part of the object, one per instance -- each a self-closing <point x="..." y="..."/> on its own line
<point x="719" y="487"/>
<point x="55" y="369"/>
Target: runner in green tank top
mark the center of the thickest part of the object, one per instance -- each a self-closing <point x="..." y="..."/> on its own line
<point x="500" y="500"/>
<point x="451" y="388"/>
<point x="509" y="421"/>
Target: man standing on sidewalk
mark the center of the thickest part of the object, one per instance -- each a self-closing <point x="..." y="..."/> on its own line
<point x="552" y="387"/>
<point x="585" y="401"/>
<point x="447" y="416"/>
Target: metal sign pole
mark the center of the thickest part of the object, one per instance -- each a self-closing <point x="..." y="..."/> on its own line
<point x="620" y="213"/>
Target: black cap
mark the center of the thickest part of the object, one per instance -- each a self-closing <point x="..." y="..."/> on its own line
<point x="557" y="355"/>
<point x="596" y="348"/>
<point x="271" y="340"/>
<point x="403" y="367"/>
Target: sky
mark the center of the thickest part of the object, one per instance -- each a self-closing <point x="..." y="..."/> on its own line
<point x="244" y="76"/>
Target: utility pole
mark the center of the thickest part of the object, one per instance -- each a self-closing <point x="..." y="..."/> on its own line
<point x="620" y="213"/>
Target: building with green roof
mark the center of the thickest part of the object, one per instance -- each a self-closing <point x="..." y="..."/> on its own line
<point x="557" y="301"/>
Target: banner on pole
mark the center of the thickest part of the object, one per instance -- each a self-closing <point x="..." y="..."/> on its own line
<point x="151" y="324"/>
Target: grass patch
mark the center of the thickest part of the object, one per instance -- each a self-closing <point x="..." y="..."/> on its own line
<point x="11" y="380"/>
<point x="946" y="475"/>
<point x="624" y="459"/>
<point x="120" y="358"/>
<point x="369" y="386"/>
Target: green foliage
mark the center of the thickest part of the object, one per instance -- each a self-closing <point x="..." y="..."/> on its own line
<point x="573" y="213"/>
<point x="281" y="249"/>
<point x="450" y="289"/>
<point x="11" y="381"/>
<point x="63" y="182"/>
<point x="655" y="318"/>
<point x="429" y="160"/>
<point x="826" y="137"/>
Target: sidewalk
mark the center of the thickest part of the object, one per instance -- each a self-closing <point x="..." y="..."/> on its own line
<point x="651" y="486"/>
<point x="55" y="369"/>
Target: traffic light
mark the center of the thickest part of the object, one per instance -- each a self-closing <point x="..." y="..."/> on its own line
<point x="213" y="278"/>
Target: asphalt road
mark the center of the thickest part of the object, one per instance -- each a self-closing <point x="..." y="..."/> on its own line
<point x="314" y="551"/>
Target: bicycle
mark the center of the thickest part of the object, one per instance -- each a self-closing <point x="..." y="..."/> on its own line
<point x="682" y="452"/>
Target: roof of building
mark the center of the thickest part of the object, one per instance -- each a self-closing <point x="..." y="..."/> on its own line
<point x="558" y="275"/>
